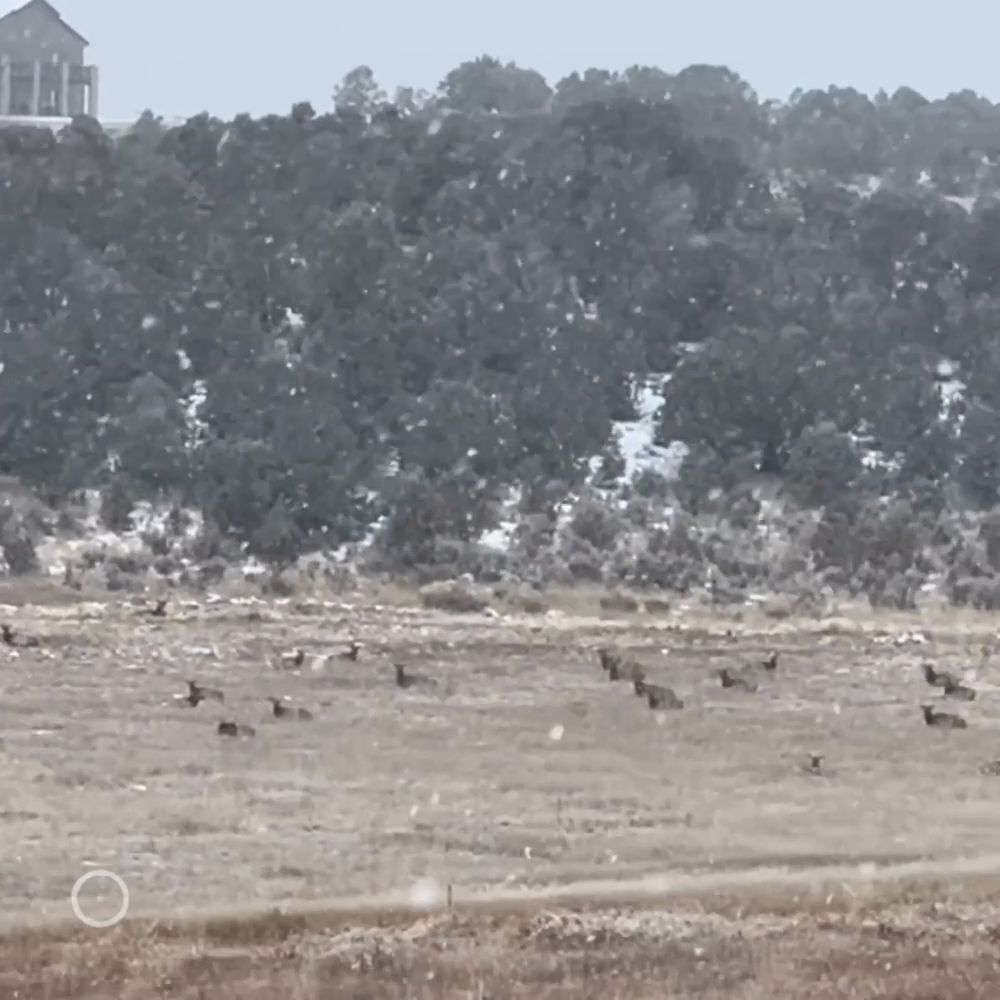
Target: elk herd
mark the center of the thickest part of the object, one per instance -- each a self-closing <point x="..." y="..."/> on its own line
<point x="659" y="697"/>
<point x="745" y="679"/>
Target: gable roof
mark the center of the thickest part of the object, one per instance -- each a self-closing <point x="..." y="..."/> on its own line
<point x="48" y="9"/>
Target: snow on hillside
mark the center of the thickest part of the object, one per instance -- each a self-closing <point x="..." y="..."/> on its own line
<point x="636" y="438"/>
<point x="951" y="387"/>
<point x="635" y="441"/>
<point x="501" y="538"/>
<point x="55" y="553"/>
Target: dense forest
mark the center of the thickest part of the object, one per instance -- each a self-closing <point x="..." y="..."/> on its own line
<point x="408" y="313"/>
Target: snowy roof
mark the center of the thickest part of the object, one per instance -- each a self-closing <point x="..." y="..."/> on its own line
<point x="49" y="11"/>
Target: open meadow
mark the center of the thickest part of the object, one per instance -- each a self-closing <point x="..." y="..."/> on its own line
<point x="590" y="845"/>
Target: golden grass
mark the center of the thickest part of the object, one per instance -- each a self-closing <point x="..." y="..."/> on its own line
<point x="909" y="941"/>
<point x="466" y="784"/>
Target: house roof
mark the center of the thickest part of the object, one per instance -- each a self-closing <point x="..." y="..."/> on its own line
<point x="48" y="9"/>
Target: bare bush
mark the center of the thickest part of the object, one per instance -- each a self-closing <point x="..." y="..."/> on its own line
<point x="459" y="596"/>
<point x="981" y="592"/>
<point x="619" y="601"/>
<point x="129" y="562"/>
<point x="822" y="465"/>
<point x="212" y="571"/>
<point x="17" y="543"/>
<point x="118" y="500"/>
<point x="650" y="484"/>
<point x="594" y="523"/>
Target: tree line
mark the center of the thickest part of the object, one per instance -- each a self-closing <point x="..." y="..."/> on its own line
<point x="396" y="310"/>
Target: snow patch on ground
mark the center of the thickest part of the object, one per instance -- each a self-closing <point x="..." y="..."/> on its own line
<point x="56" y="553"/>
<point x="952" y="389"/>
<point x="967" y="202"/>
<point x="196" y="429"/>
<point x="865" y="186"/>
<point x="636" y="438"/>
<point x="501" y="538"/>
<point x="636" y="443"/>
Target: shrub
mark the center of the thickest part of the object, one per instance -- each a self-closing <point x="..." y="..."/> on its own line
<point x="19" y="551"/>
<point x="611" y="466"/>
<point x="212" y="571"/>
<point x="166" y="565"/>
<point x="129" y="562"/>
<point x="989" y="532"/>
<point x="982" y="593"/>
<point x="118" y="500"/>
<point x="459" y="596"/>
<point x="157" y="542"/>
<point x="651" y="485"/>
<point x="619" y="601"/>
<point x="277" y="584"/>
<point x="700" y="475"/>
<point x="594" y="523"/>
<point x="424" y="510"/>
<point x="822" y="465"/>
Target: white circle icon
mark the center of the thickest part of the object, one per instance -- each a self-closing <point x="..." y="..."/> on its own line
<point x="74" y="898"/>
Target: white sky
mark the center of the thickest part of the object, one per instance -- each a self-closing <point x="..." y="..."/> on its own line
<point x="180" y="57"/>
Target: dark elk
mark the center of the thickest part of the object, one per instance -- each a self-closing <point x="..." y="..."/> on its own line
<point x="197" y="694"/>
<point x="10" y="638"/>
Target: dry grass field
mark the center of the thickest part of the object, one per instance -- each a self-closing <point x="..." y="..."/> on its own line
<point x="593" y="848"/>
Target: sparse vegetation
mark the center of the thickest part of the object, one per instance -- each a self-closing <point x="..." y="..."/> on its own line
<point x="454" y="595"/>
<point x="471" y="677"/>
<point x="347" y="357"/>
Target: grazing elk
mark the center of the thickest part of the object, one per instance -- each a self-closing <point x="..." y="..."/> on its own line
<point x="938" y="678"/>
<point x="10" y="638"/>
<point x="660" y="697"/>
<point x="959" y="692"/>
<point x="227" y="728"/>
<point x="405" y="680"/>
<point x="815" y="765"/>
<point x="197" y="694"/>
<point x="282" y="711"/>
<point x="293" y="658"/>
<point x="943" y="720"/>
<point x="608" y="658"/>
<point x="736" y="680"/>
<point x="628" y="670"/>
<point x="352" y="651"/>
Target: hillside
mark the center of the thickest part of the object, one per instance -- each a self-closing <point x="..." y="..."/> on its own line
<point x="639" y="328"/>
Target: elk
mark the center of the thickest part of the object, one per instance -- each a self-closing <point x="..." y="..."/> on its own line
<point x="405" y="680"/>
<point x="293" y="658"/>
<point x="11" y="639"/>
<point x="227" y="728"/>
<point x="942" y="719"/>
<point x="352" y="651"/>
<point x="959" y="692"/>
<point x="282" y="711"/>
<point x="738" y="680"/>
<point x="607" y="658"/>
<point x="938" y="678"/>
<point x="197" y="694"/>
<point x="662" y="697"/>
